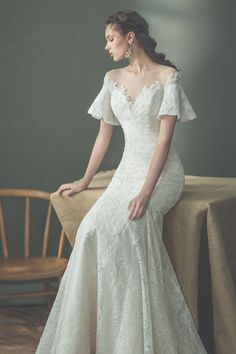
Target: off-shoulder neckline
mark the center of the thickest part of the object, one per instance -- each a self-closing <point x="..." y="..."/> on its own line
<point x="172" y="77"/>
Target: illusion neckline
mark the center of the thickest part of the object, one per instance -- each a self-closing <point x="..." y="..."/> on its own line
<point x="146" y="87"/>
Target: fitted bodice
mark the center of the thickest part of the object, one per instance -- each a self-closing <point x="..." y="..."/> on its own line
<point x="140" y="120"/>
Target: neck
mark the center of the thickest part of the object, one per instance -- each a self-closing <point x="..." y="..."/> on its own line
<point x="140" y="62"/>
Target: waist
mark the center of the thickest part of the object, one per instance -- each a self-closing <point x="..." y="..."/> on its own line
<point x="134" y="166"/>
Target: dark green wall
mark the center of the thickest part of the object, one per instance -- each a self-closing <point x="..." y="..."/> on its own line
<point x="52" y="66"/>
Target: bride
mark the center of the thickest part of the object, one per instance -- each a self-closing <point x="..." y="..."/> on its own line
<point x="119" y="293"/>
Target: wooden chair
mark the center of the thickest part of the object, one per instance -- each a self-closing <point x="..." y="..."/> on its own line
<point x="42" y="268"/>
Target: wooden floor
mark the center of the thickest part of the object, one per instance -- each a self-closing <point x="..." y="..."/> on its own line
<point x="21" y="328"/>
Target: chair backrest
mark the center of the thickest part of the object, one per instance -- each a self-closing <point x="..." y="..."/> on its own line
<point x="28" y="194"/>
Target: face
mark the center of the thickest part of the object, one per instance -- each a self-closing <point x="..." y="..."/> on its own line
<point x="117" y="44"/>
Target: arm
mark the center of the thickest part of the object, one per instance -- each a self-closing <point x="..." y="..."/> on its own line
<point x="138" y="205"/>
<point x="160" y="154"/>
<point x="98" y="152"/>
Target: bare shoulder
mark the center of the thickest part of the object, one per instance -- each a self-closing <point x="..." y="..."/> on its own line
<point x="113" y="74"/>
<point x="167" y="71"/>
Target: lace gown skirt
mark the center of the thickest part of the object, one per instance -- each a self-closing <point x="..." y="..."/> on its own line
<point x="119" y="293"/>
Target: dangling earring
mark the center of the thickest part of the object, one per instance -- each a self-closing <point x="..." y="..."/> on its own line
<point x="128" y="53"/>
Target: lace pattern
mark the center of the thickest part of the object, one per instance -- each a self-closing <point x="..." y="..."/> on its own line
<point x="159" y="98"/>
<point x="175" y="101"/>
<point x="101" y="106"/>
<point x="119" y="293"/>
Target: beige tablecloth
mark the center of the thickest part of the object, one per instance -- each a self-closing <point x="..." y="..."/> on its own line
<point x="200" y="236"/>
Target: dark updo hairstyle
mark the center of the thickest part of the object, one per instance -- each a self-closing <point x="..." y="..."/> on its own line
<point x="128" y="20"/>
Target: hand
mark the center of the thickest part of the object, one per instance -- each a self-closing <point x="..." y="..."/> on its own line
<point x="137" y="206"/>
<point x="70" y="189"/>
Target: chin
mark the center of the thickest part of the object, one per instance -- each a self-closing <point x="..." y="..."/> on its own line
<point x="116" y="58"/>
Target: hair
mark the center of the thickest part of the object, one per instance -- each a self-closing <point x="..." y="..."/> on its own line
<point x="128" y="20"/>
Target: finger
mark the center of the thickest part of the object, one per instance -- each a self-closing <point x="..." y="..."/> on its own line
<point x="136" y="212"/>
<point x="133" y="206"/>
<point x="140" y="214"/>
<point x="65" y="192"/>
<point x="73" y="191"/>
<point x="60" y="189"/>
<point x="63" y="188"/>
<point x="133" y="210"/>
<point x="70" y="193"/>
<point x="130" y="204"/>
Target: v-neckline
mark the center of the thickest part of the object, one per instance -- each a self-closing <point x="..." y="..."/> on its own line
<point x="123" y="90"/>
<point x="130" y="101"/>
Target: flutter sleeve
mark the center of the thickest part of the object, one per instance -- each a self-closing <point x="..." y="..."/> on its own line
<point x="175" y="101"/>
<point x="101" y="106"/>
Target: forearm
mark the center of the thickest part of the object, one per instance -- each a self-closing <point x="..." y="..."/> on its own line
<point x="156" y="166"/>
<point x="99" y="150"/>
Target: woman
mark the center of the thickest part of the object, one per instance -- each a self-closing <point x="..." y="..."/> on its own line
<point x="119" y="293"/>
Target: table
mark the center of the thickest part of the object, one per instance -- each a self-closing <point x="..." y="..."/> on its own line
<point x="199" y="234"/>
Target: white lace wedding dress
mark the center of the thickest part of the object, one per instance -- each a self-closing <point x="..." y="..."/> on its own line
<point x="119" y="293"/>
